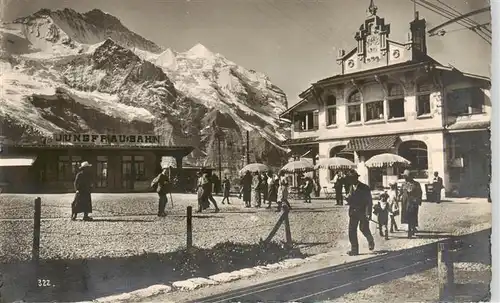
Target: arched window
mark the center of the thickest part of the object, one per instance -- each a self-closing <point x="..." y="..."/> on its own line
<point x="354" y="107"/>
<point x="396" y="100"/>
<point x="423" y="94"/>
<point x="416" y="153"/>
<point x="331" y="110"/>
<point x="337" y="151"/>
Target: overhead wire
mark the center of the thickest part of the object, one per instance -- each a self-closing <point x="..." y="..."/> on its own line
<point x="468" y="18"/>
<point x="448" y="17"/>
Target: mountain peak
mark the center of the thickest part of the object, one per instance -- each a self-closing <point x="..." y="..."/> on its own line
<point x="199" y="50"/>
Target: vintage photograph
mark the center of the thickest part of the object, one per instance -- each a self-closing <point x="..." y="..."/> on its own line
<point x="245" y="151"/>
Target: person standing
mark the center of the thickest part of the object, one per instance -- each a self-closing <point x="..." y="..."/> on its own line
<point x="272" y="187"/>
<point x="283" y="192"/>
<point x="215" y="183"/>
<point x="437" y="186"/>
<point x="202" y="186"/>
<point x="226" y="188"/>
<point x="308" y="189"/>
<point x="347" y="184"/>
<point x="162" y="184"/>
<point x="360" y="213"/>
<point x="338" y="181"/>
<point x="381" y="210"/>
<point x="247" y="188"/>
<point x="393" y="206"/>
<point x="83" y="188"/>
<point x="411" y="199"/>
<point x="256" y="181"/>
<point x="264" y="187"/>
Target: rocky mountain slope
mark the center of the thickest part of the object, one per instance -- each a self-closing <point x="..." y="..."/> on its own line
<point x="67" y="71"/>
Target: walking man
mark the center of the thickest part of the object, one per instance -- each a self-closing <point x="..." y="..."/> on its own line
<point x="338" y="181"/>
<point x="209" y="192"/>
<point x="411" y="199"/>
<point x="437" y="185"/>
<point x="162" y="184"/>
<point x="360" y="213"/>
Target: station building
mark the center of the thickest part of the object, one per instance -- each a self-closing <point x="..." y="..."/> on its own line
<point x="120" y="163"/>
<point x="392" y="97"/>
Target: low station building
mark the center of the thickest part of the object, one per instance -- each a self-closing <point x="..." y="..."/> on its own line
<point x="391" y="97"/>
<point x="120" y="163"/>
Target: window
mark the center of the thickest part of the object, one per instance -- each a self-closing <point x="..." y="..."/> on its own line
<point x="374" y="110"/>
<point x="306" y="121"/>
<point x="331" y="110"/>
<point x="139" y="168"/>
<point x="416" y="153"/>
<point x="354" y="107"/>
<point x="102" y="172"/>
<point x="396" y="101"/>
<point x="466" y="101"/>
<point x="423" y="99"/>
<point x="67" y="167"/>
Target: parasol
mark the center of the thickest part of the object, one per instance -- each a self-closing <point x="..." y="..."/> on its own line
<point x="387" y="160"/>
<point x="297" y="166"/>
<point x="255" y="167"/>
<point x="335" y="163"/>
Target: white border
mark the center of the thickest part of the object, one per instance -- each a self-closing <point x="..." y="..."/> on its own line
<point x="495" y="164"/>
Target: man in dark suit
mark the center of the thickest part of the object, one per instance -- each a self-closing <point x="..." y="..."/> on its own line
<point x="360" y="213"/>
<point x="437" y="186"/>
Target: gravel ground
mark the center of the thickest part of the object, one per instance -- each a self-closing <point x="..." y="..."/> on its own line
<point x="125" y="225"/>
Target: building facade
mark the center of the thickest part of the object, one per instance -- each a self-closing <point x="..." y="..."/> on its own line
<point x="120" y="163"/>
<point x="391" y="97"/>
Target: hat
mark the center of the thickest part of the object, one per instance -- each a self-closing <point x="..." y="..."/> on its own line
<point x="406" y="173"/>
<point x="355" y="173"/>
<point x="85" y="164"/>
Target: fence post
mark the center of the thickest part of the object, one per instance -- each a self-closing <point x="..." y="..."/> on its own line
<point x="288" y="233"/>
<point x="36" y="230"/>
<point x="189" y="222"/>
<point x="445" y="272"/>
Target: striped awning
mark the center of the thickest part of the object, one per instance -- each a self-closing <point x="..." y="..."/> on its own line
<point x="372" y="143"/>
<point x="17" y="161"/>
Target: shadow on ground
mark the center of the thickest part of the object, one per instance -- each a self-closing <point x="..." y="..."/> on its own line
<point x="79" y="280"/>
<point x="336" y="281"/>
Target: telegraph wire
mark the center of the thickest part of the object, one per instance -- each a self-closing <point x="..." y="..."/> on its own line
<point x="468" y="18"/>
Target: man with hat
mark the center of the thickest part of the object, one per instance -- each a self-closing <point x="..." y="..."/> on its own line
<point x="360" y="213"/>
<point x="162" y="184"/>
<point x="83" y="200"/>
<point x="411" y="199"/>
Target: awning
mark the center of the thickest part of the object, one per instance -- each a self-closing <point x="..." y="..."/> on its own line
<point x="467" y="126"/>
<point x="372" y="143"/>
<point x="17" y="161"/>
<point x="299" y="141"/>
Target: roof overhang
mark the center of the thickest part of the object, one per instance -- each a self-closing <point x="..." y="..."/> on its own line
<point x="468" y="75"/>
<point x="468" y="126"/>
<point x="372" y="143"/>
<point x="301" y="141"/>
<point x="286" y="113"/>
<point x="17" y="161"/>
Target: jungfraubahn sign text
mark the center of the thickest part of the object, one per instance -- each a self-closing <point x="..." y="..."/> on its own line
<point x="104" y="139"/>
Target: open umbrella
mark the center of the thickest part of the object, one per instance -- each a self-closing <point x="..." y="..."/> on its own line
<point x="300" y="166"/>
<point x="335" y="163"/>
<point x="387" y="160"/>
<point x="255" y="167"/>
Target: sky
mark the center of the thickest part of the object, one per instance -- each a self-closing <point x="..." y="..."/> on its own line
<point x="294" y="42"/>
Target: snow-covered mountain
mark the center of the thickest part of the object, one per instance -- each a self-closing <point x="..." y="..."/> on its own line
<point x="63" y="70"/>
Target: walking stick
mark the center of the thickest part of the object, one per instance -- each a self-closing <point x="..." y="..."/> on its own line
<point x="171" y="199"/>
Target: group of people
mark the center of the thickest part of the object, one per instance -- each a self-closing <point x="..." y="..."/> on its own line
<point x="259" y="188"/>
<point x="392" y="203"/>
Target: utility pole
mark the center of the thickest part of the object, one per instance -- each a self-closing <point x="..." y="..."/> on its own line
<point x="248" y="147"/>
<point x="220" y="156"/>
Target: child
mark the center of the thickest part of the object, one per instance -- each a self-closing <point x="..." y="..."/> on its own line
<point x="226" y="187"/>
<point x="381" y="210"/>
<point x="393" y="206"/>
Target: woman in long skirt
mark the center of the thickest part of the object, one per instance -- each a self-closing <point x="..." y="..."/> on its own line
<point x="283" y="192"/>
<point x="247" y="188"/>
<point x="203" y="202"/>
<point x="256" y="189"/>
